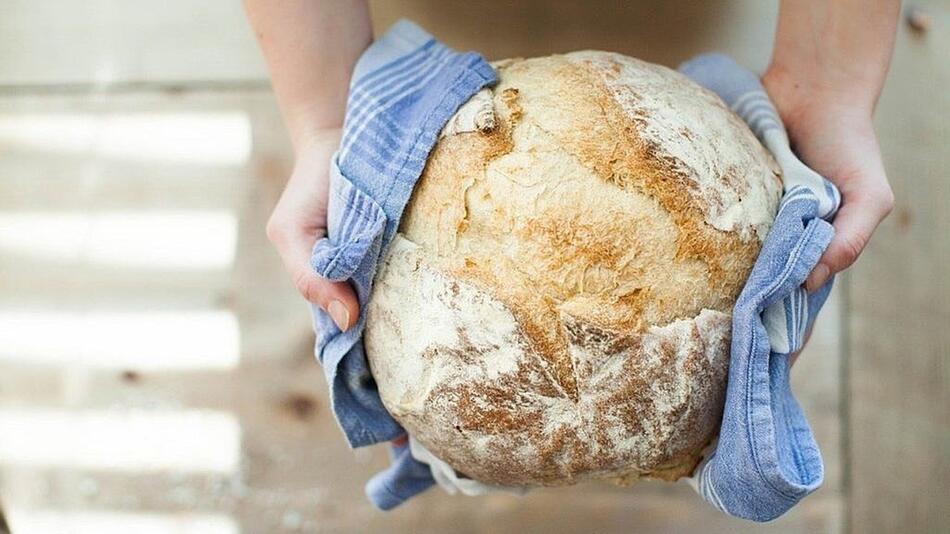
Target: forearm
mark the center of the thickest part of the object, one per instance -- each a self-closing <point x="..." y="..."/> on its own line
<point x="834" y="50"/>
<point x="310" y="47"/>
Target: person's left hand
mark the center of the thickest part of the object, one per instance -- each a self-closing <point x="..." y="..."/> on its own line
<point x="835" y="136"/>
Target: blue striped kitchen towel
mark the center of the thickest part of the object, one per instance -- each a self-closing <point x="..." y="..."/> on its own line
<point x="405" y="88"/>
<point x="766" y="459"/>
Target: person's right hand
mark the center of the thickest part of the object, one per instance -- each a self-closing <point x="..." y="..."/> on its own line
<point x="300" y="219"/>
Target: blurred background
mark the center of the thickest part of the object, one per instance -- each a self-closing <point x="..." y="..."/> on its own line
<point x="156" y="369"/>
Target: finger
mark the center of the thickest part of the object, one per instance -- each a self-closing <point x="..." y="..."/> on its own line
<point x="335" y="298"/>
<point x="854" y="224"/>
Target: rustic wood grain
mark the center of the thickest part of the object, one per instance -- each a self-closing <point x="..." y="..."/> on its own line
<point x="899" y="326"/>
<point x="298" y="475"/>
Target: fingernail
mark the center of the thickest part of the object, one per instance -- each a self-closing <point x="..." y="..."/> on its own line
<point x="339" y="314"/>
<point x="817" y="278"/>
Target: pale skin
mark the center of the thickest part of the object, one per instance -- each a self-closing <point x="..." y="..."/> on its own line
<point x="828" y="66"/>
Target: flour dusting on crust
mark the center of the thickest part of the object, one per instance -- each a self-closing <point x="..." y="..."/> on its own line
<point x="700" y="135"/>
<point x="480" y="395"/>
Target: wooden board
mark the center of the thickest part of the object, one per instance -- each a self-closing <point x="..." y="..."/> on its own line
<point x="886" y="460"/>
<point x="899" y="325"/>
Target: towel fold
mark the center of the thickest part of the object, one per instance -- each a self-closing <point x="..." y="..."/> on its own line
<point x="766" y="459"/>
<point x="405" y="88"/>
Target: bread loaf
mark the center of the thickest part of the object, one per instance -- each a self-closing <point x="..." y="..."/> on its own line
<point x="556" y="304"/>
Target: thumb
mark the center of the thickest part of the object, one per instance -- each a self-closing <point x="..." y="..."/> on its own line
<point x="849" y="239"/>
<point x="854" y="224"/>
<point x="336" y="298"/>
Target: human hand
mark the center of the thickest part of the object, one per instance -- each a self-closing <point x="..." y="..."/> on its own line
<point x="300" y="219"/>
<point x="834" y="135"/>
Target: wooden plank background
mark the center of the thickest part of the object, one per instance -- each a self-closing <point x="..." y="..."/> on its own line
<point x="874" y="380"/>
<point x="898" y="328"/>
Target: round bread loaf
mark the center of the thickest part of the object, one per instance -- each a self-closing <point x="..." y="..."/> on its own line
<point x="556" y="304"/>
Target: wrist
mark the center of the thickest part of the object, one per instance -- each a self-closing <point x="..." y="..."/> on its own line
<point x="802" y="98"/>
<point x="305" y="139"/>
